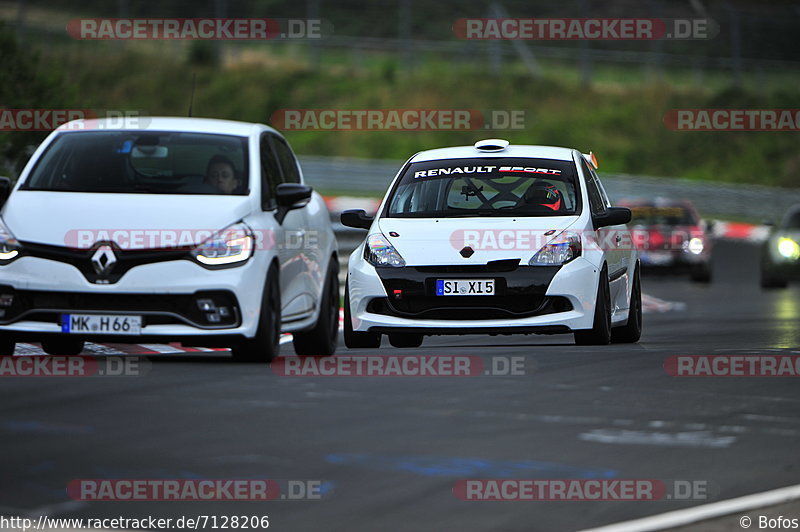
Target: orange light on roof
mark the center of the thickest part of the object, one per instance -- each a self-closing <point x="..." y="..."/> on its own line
<point x="594" y="159"/>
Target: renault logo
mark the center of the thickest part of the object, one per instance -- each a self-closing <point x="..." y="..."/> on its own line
<point x="103" y="260"/>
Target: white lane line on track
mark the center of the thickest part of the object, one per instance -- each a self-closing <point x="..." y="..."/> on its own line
<point x="704" y="512"/>
<point x="654" y="304"/>
<point x="702" y="438"/>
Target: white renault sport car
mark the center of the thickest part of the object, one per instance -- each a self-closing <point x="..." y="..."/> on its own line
<point x="166" y="230"/>
<point x="497" y="239"/>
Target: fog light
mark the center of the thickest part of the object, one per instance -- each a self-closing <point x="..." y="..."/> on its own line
<point x="213" y="318"/>
<point x="224" y="312"/>
<point x="206" y="305"/>
<point x="6" y="300"/>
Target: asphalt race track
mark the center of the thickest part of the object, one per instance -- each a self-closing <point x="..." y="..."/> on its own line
<point x="387" y="451"/>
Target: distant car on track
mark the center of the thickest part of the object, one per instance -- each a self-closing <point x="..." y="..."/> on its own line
<point x="671" y="236"/>
<point x="117" y="233"/>
<point x="780" y="254"/>
<point x="493" y="239"/>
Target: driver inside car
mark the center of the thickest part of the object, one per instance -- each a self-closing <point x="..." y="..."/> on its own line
<point x="220" y="174"/>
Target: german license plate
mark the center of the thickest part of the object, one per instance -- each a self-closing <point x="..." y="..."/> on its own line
<point x="101" y="324"/>
<point x="465" y="287"/>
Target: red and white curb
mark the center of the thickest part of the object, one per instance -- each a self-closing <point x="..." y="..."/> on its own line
<point x="741" y="231"/>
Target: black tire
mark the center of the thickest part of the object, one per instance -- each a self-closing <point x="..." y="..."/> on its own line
<point x="322" y="339"/>
<point x="405" y="339"/>
<point x="68" y="347"/>
<point x="7" y="346"/>
<point x="631" y="331"/>
<point x="701" y="273"/>
<point x="600" y="333"/>
<point x="266" y="343"/>
<point x="356" y="339"/>
<point x="770" y="280"/>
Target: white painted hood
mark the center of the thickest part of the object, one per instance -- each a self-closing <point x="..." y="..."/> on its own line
<point x="437" y="241"/>
<point x="67" y="218"/>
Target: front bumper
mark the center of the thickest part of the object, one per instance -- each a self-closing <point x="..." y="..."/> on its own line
<point x="165" y="294"/>
<point x="529" y="299"/>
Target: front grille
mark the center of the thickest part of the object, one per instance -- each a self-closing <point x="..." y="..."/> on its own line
<point x="469" y="307"/>
<point x="82" y="258"/>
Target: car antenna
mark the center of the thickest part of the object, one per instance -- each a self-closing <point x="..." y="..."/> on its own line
<point x="191" y="99"/>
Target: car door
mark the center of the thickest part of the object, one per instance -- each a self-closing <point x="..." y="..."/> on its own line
<point x="293" y="249"/>
<point x="610" y="239"/>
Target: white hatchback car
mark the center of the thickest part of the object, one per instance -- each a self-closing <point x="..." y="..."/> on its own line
<point x="166" y="230"/>
<point x="498" y="239"/>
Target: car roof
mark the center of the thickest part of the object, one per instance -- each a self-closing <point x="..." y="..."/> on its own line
<point x="513" y="150"/>
<point x="164" y="123"/>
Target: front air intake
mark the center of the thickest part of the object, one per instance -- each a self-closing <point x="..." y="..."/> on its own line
<point x="491" y="145"/>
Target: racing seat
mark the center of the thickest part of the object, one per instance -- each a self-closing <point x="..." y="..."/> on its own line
<point x="542" y="194"/>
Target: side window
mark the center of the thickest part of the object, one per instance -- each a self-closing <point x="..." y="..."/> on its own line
<point x="270" y="175"/>
<point x="286" y="160"/>
<point x="601" y="188"/>
<point x="596" y="202"/>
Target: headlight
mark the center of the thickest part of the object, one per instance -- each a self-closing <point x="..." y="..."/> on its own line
<point x="695" y="246"/>
<point x="788" y="248"/>
<point x="562" y="249"/>
<point x="9" y="247"/>
<point x="379" y="252"/>
<point x="229" y="246"/>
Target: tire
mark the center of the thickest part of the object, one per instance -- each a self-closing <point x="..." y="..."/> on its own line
<point x="701" y="274"/>
<point x="63" y="346"/>
<point x="265" y="345"/>
<point x="322" y="339"/>
<point x="770" y="280"/>
<point x="631" y="331"/>
<point x="600" y="333"/>
<point x="355" y="339"/>
<point x="405" y="339"/>
<point x="7" y="346"/>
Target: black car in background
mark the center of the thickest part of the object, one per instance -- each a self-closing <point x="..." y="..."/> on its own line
<point x="780" y="255"/>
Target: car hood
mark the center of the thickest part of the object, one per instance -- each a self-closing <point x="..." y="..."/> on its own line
<point x="133" y="221"/>
<point x="438" y="241"/>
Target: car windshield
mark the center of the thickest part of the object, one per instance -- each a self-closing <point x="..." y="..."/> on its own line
<point x="143" y="162"/>
<point x="652" y="215"/>
<point x="486" y="187"/>
<point x="792" y="221"/>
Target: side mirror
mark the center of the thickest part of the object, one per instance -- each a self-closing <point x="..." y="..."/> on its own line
<point x="291" y="196"/>
<point x="613" y="216"/>
<point x="357" y="218"/>
<point x="5" y="189"/>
